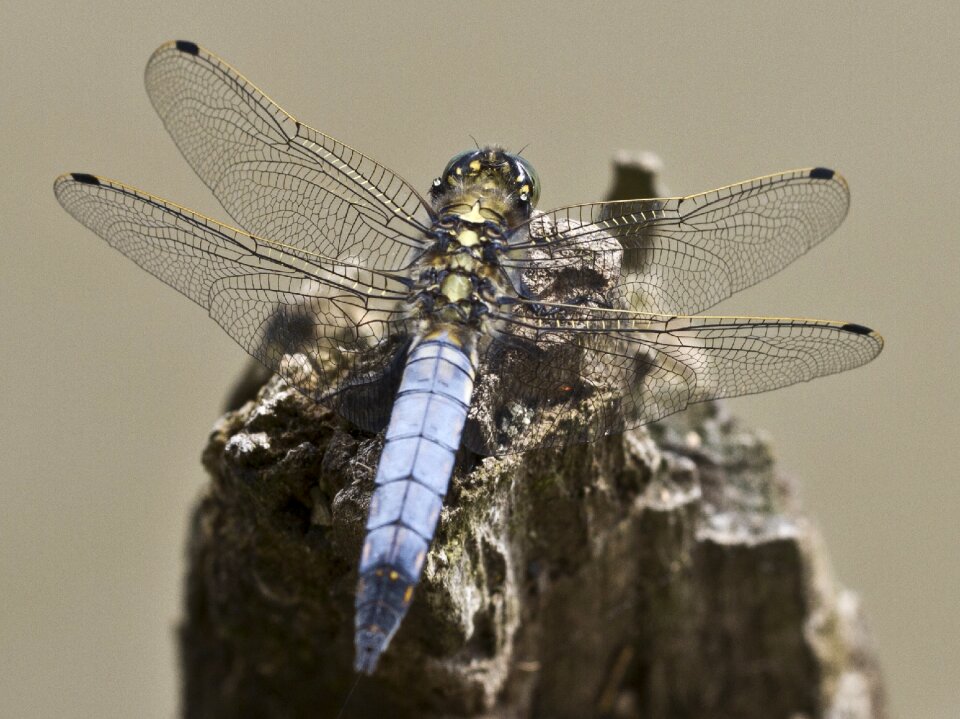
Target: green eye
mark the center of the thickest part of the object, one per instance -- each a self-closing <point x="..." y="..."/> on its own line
<point x="534" y="179"/>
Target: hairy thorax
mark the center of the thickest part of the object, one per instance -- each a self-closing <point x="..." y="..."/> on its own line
<point x="460" y="281"/>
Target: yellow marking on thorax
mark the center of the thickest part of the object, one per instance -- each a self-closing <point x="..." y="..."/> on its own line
<point x="436" y="333"/>
<point x="474" y="215"/>
<point x="462" y="261"/>
<point x="456" y="287"/>
<point x="468" y="237"/>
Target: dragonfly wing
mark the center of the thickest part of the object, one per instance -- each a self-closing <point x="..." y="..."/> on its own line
<point x="597" y="372"/>
<point x="682" y="255"/>
<point x="330" y="328"/>
<point x="277" y="177"/>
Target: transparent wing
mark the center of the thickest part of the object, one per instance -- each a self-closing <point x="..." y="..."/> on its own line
<point x="682" y="255"/>
<point x="333" y="329"/>
<point x="596" y="372"/>
<point x="275" y="176"/>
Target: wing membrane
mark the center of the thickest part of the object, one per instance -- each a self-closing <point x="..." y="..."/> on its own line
<point x="325" y="325"/>
<point x="596" y="372"/>
<point x="682" y="255"/>
<point x="277" y="177"/>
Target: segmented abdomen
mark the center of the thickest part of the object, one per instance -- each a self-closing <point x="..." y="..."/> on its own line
<point x="415" y="468"/>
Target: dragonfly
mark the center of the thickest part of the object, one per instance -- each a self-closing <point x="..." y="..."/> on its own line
<point x="464" y="316"/>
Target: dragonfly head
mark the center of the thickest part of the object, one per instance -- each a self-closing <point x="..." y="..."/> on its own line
<point x="502" y="182"/>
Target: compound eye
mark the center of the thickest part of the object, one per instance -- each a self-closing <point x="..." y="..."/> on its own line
<point x="533" y="179"/>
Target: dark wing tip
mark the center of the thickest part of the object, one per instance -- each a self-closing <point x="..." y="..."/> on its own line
<point x="191" y="48"/>
<point x="85" y="178"/>
<point x="857" y="329"/>
<point x="822" y="173"/>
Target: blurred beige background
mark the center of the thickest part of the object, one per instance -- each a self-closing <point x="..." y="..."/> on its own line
<point x="111" y="380"/>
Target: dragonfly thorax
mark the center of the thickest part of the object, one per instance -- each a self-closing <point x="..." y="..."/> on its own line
<point x="460" y="277"/>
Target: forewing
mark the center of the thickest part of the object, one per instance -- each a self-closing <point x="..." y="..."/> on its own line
<point x="598" y="372"/>
<point x="330" y="328"/>
<point x="682" y="255"/>
<point x="277" y="177"/>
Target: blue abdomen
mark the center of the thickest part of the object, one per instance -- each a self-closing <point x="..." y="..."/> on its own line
<point x="415" y="468"/>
